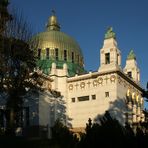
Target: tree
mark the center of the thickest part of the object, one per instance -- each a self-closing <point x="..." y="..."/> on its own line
<point x="109" y="133"/>
<point x="17" y="63"/>
<point x="62" y="137"/>
<point x="4" y="15"/>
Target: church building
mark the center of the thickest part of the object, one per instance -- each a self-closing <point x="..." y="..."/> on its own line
<point x="73" y="95"/>
<point x="85" y="95"/>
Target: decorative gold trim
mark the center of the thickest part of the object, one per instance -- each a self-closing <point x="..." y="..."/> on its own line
<point x="119" y="79"/>
<point x="82" y="84"/>
<point x="112" y="78"/>
<point x="70" y="87"/>
<point x="88" y="83"/>
<point x="76" y="85"/>
<point x="106" y="79"/>
<point x="100" y="80"/>
<point x="95" y="83"/>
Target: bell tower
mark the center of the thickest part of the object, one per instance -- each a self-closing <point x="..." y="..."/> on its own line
<point x="110" y="55"/>
<point x="131" y="68"/>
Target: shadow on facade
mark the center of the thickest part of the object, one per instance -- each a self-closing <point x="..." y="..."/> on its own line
<point x="117" y="109"/>
<point x="31" y="101"/>
<point x="58" y="110"/>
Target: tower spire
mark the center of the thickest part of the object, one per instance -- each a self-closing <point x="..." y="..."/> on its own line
<point x="131" y="68"/>
<point x="53" y="22"/>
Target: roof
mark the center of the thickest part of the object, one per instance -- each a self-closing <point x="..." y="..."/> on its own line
<point x="68" y="50"/>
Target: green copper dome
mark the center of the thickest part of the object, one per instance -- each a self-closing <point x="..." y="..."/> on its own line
<point x="56" y="46"/>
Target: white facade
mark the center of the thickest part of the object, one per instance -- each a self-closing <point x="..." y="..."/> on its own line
<point x="90" y="95"/>
<point x="131" y="66"/>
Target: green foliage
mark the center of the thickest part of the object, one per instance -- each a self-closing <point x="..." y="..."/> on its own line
<point x="62" y="137"/>
<point x="109" y="133"/>
<point x="17" y="63"/>
<point x="5" y="16"/>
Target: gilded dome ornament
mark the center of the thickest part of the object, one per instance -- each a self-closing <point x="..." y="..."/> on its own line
<point x="53" y="23"/>
<point x="95" y="83"/>
<point x="70" y="87"/>
<point x="82" y="85"/>
<point x="113" y="78"/>
<point x="100" y="80"/>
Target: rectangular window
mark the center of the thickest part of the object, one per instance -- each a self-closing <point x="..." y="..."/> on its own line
<point x="72" y="57"/>
<point x="83" y="98"/>
<point x="106" y="94"/>
<point x="73" y="100"/>
<point x="47" y="53"/>
<point x="56" y="54"/>
<point x="93" y="97"/>
<point x="107" y="58"/>
<point x="117" y="59"/>
<point x="39" y="53"/>
<point x="65" y="55"/>
<point x="129" y="74"/>
<point x="78" y="58"/>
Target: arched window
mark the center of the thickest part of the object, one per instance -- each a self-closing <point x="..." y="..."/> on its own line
<point x="65" y="55"/>
<point x="107" y="58"/>
<point x="72" y="57"/>
<point x="47" y="53"/>
<point x="56" y="53"/>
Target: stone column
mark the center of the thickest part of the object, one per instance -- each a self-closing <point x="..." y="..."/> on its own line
<point x="138" y="114"/>
<point x="134" y="113"/>
<point x="130" y="112"/>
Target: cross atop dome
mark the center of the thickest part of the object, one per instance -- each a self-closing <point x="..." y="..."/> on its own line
<point x="53" y="12"/>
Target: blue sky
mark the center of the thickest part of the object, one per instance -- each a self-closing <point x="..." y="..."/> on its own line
<point x="87" y="21"/>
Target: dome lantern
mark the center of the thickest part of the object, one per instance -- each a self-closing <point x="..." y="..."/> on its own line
<point x="53" y="23"/>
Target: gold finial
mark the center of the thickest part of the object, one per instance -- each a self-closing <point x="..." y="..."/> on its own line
<point x="53" y="22"/>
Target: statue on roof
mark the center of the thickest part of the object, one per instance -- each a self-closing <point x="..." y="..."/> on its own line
<point x="110" y="33"/>
<point x="131" y="55"/>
